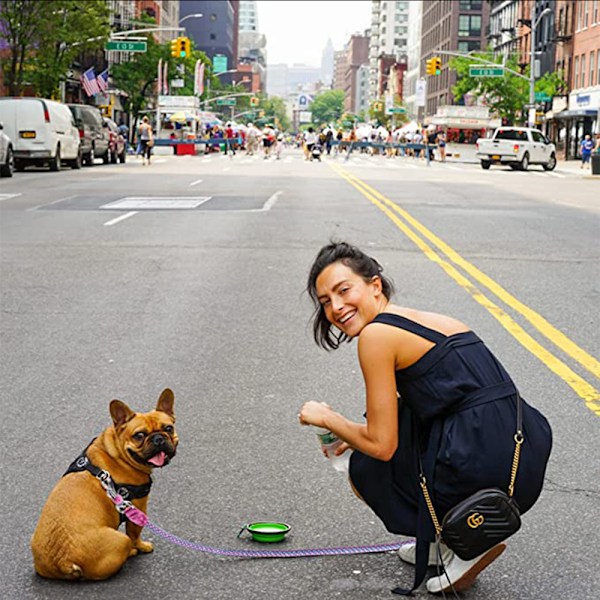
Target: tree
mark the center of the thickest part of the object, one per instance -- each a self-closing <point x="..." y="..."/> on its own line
<point x="275" y="112"/>
<point x="505" y="96"/>
<point x="45" y="38"/>
<point x="327" y="107"/>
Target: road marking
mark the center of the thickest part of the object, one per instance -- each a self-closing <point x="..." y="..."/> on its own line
<point x="196" y="182"/>
<point x="268" y="205"/>
<point x="51" y="203"/>
<point x="121" y="218"/>
<point x="557" y="175"/>
<point x="157" y="161"/>
<point x="583" y="389"/>
<point x="8" y="196"/>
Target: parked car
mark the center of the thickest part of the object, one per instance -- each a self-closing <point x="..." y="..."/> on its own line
<point x="93" y="132"/>
<point x="43" y="132"/>
<point x="7" y="161"/>
<point x="517" y="147"/>
<point x="117" y="145"/>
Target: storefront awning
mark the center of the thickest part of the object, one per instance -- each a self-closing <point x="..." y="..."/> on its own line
<point x="578" y="113"/>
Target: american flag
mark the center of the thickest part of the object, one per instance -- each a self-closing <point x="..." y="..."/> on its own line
<point x="89" y="83"/>
<point x="102" y="80"/>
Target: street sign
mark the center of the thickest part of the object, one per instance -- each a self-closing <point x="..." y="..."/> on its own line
<point x="542" y="97"/>
<point x="396" y="110"/>
<point x="226" y="101"/>
<point x="219" y="63"/>
<point x="126" y="46"/>
<point x="481" y="71"/>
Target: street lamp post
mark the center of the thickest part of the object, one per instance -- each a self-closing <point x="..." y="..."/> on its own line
<point x="534" y="24"/>
<point x="192" y="16"/>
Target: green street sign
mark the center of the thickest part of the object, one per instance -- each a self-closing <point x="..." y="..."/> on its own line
<point x="479" y="71"/>
<point x="126" y="46"/>
<point x="226" y="101"/>
<point x="542" y="97"/>
<point x="397" y="110"/>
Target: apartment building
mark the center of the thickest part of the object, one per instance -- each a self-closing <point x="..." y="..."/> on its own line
<point x="388" y="38"/>
<point x="457" y="25"/>
<point x="357" y="54"/>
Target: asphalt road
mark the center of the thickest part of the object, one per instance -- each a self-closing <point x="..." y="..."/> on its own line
<point x="99" y="303"/>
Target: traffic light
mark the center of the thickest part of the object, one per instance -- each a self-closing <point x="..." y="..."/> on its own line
<point x="254" y="101"/>
<point x="434" y="66"/>
<point x="183" y="46"/>
<point x="377" y="106"/>
<point x="175" y="48"/>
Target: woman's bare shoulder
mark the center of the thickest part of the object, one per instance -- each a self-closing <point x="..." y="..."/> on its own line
<point x="438" y="322"/>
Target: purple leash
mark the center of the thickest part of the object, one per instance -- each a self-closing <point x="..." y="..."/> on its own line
<point x="137" y="517"/>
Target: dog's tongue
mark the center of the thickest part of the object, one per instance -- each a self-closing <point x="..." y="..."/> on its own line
<point x="158" y="459"/>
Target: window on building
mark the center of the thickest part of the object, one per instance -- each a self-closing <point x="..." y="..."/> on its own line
<point x="469" y="4"/>
<point x="469" y="26"/>
<point x="212" y="36"/>
<point x="587" y="14"/>
<point x="598" y="66"/>
<point x="469" y="46"/>
<point x="597" y="12"/>
<point x="583" y="70"/>
<point x="592" y="69"/>
<point x="576" y="73"/>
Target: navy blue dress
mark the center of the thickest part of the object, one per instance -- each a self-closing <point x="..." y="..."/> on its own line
<point x="457" y="405"/>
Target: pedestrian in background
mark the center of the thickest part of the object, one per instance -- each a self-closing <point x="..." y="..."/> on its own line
<point x="587" y="145"/>
<point x="434" y="393"/>
<point x="146" y="138"/>
<point x="441" y="139"/>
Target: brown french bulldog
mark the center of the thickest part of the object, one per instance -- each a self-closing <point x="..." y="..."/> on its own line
<point x="77" y="535"/>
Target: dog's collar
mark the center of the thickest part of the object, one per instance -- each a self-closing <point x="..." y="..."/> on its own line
<point x="126" y="490"/>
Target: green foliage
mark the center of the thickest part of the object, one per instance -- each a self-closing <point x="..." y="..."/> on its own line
<point x="552" y="83"/>
<point x="377" y="113"/>
<point x="275" y="112"/>
<point x="505" y="96"/>
<point x="45" y="37"/>
<point x="327" y="107"/>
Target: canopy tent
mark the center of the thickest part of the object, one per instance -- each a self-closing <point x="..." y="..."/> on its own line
<point x="181" y="117"/>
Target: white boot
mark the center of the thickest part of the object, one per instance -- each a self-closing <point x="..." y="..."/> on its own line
<point x="460" y="574"/>
<point x="408" y="553"/>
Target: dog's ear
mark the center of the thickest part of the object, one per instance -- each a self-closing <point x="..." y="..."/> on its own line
<point x="120" y="413"/>
<point x="165" y="402"/>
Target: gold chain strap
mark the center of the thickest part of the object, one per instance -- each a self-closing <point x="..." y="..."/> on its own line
<point x="515" y="463"/>
<point x="436" y="523"/>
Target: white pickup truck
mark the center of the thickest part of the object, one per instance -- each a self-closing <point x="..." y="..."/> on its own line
<point x="517" y="147"/>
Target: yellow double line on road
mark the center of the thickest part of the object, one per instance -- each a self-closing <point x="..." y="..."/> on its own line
<point x="582" y="388"/>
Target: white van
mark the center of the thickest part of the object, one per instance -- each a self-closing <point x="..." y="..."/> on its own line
<point x="43" y="132"/>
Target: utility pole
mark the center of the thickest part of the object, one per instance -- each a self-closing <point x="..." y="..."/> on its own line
<point x="531" y="118"/>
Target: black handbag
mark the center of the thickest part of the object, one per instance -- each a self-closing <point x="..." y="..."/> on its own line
<point x="485" y="518"/>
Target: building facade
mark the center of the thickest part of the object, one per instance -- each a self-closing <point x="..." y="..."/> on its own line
<point x="357" y="54"/>
<point x="388" y="37"/>
<point x="216" y="32"/>
<point x="413" y="62"/>
<point x="450" y="26"/>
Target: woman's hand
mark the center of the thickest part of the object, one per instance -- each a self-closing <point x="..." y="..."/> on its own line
<point x="313" y="413"/>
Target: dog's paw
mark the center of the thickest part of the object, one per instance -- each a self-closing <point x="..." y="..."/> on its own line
<point x="144" y="547"/>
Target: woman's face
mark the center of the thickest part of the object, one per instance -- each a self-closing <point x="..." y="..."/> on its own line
<point x="349" y="302"/>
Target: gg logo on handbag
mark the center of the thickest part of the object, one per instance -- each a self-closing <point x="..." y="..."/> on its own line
<point x="475" y="520"/>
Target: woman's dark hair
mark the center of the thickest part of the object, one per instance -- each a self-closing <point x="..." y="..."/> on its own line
<point x="361" y="264"/>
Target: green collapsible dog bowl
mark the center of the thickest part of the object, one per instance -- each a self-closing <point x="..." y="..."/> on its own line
<point x="268" y="532"/>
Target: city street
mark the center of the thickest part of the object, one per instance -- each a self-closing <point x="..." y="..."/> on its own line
<point x="118" y="281"/>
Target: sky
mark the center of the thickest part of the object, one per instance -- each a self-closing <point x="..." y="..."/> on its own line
<point x="297" y="30"/>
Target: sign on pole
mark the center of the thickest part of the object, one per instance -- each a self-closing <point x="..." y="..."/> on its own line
<point x="483" y="71"/>
<point x="420" y="92"/>
<point x="219" y="63"/>
<point x="226" y="101"/>
<point x="542" y="97"/>
<point x="126" y="46"/>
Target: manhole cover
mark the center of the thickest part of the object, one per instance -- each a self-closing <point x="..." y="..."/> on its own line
<point x="162" y="203"/>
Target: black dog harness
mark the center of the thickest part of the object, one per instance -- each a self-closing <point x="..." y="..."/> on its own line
<point x="126" y="490"/>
